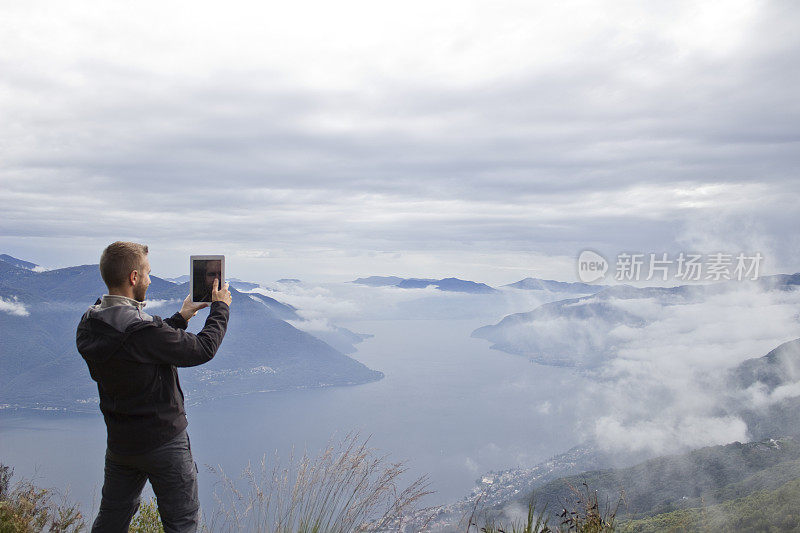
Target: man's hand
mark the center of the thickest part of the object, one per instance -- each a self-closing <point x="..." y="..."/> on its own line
<point x="189" y="308"/>
<point x="221" y="295"/>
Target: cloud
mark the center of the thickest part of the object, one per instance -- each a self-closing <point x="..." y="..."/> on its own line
<point x="664" y="388"/>
<point x="759" y="396"/>
<point x="470" y="129"/>
<point x="315" y="324"/>
<point x="13" y="307"/>
<point x="158" y="304"/>
<point x="545" y="407"/>
<point x="471" y="465"/>
<point x="662" y="435"/>
<point x="314" y="303"/>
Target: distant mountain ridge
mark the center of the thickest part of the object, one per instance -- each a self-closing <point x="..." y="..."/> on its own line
<point x="234" y="282"/>
<point x="563" y="332"/>
<point x="40" y="366"/>
<point x="378" y="281"/>
<point x="445" y="284"/>
<point x="459" y="285"/>
<point x="27" y="265"/>
<point x="536" y="284"/>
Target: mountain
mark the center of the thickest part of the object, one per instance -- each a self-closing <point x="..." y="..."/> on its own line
<point x="691" y="480"/>
<point x="780" y="281"/>
<point x="378" y="281"/>
<point x="278" y="309"/>
<point x="233" y="282"/>
<point x="762" y="510"/>
<point x="18" y="262"/>
<point x="416" y="283"/>
<point x="780" y="366"/>
<point x="570" y="332"/>
<point x="242" y="285"/>
<point x="446" y="284"/>
<point x="460" y="285"/>
<point x="40" y="366"/>
<point x="536" y="284"/>
<point x="764" y="392"/>
<point x="576" y="331"/>
<point x="683" y="481"/>
<point x="340" y="338"/>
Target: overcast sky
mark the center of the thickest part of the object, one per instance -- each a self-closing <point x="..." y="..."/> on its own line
<point x="328" y="140"/>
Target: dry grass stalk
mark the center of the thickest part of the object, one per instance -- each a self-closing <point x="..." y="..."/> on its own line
<point x="346" y="488"/>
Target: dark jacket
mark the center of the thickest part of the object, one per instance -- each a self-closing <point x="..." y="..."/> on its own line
<point x="132" y="356"/>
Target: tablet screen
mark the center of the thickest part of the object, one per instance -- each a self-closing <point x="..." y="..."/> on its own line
<point x="204" y="271"/>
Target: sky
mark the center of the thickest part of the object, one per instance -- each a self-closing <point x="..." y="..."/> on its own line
<point x="487" y="140"/>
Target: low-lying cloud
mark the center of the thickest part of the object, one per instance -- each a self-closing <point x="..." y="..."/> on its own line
<point x="13" y="306"/>
<point x="665" y="387"/>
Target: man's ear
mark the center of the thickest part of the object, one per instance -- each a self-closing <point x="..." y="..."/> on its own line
<point x="133" y="276"/>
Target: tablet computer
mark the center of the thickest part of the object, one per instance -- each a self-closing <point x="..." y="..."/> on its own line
<point x="203" y="269"/>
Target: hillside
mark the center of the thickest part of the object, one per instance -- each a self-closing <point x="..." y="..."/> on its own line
<point x="774" y="379"/>
<point x="665" y="484"/>
<point x="765" y="510"/>
<point x="576" y="331"/>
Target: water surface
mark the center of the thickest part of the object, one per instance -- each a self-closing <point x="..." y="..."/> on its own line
<point x="449" y="407"/>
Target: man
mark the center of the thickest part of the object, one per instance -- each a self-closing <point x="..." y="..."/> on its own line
<point x="133" y="358"/>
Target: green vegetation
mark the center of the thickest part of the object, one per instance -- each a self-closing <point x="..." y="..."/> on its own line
<point x="584" y="516"/>
<point x="769" y="511"/>
<point x="26" y="508"/>
<point x="686" y="481"/>
<point x="350" y="488"/>
<point x="147" y="519"/>
<point x="346" y="488"/>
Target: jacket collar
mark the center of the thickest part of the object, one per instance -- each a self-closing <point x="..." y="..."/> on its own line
<point x="109" y="300"/>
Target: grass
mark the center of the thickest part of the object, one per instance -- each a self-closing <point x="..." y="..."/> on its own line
<point x="346" y="488"/>
<point x="583" y="514"/>
<point x="147" y="519"/>
<point x="24" y="508"/>
<point x="535" y="523"/>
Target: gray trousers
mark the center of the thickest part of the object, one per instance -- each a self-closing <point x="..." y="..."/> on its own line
<point x="172" y="473"/>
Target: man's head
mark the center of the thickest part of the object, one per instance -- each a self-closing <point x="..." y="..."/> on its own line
<point x="213" y="271"/>
<point x="126" y="269"/>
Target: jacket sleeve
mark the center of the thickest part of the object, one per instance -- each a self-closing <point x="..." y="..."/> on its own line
<point x="177" y="321"/>
<point x="173" y="345"/>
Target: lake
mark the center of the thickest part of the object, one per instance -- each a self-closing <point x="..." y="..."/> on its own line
<point x="449" y="407"/>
